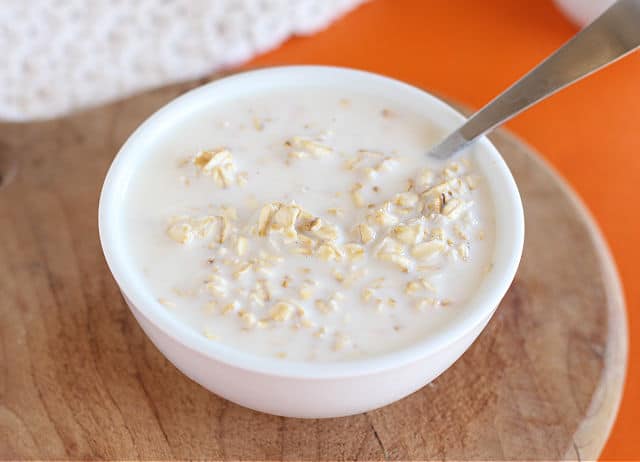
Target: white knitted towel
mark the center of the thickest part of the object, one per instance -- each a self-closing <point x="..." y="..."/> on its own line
<point x="60" y="55"/>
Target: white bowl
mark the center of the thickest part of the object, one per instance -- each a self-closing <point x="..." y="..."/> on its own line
<point x="582" y="12"/>
<point x="298" y="389"/>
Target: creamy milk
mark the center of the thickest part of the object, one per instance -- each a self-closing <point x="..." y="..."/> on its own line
<point x="308" y="225"/>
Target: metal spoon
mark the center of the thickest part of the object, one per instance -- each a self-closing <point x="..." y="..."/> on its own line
<point x="611" y="36"/>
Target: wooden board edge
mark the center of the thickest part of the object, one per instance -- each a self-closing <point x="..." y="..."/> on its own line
<point x="593" y="432"/>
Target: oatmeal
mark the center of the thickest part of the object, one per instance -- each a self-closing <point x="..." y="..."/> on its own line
<point x="309" y="226"/>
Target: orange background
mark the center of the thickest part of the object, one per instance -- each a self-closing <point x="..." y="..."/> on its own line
<point x="470" y="50"/>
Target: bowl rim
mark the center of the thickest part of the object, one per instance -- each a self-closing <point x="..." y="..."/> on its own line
<point x="481" y="305"/>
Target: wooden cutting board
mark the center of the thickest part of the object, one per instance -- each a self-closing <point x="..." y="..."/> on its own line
<point x="79" y="379"/>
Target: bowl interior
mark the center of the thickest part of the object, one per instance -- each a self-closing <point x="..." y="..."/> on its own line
<point x="509" y="221"/>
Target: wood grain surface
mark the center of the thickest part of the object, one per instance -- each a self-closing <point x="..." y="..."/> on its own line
<point x="79" y="379"/>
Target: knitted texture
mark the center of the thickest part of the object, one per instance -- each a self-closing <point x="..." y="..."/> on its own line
<point x="60" y="55"/>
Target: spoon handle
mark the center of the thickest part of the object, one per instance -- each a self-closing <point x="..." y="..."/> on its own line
<point x="610" y="37"/>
